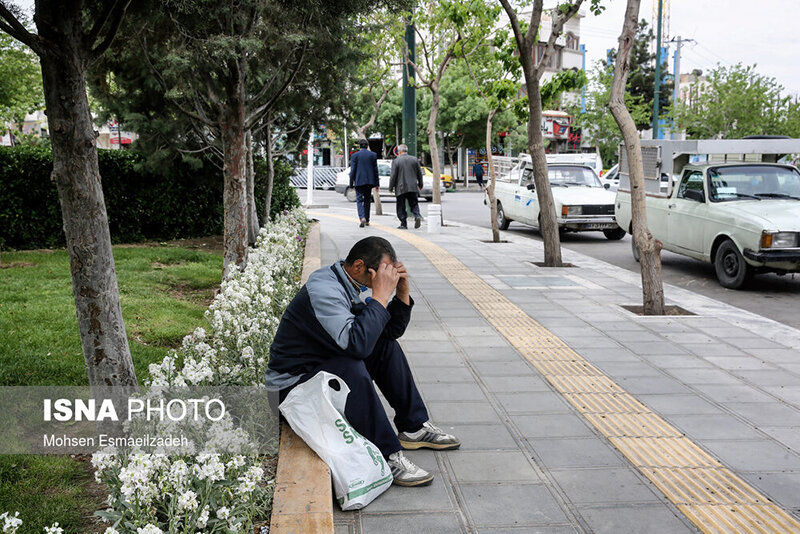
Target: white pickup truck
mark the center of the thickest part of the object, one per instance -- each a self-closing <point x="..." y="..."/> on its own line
<point x="741" y="216"/>
<point x="581" y="202"/>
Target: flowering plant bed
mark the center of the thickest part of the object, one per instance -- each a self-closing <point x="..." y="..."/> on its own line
<point x="228" y="491"/>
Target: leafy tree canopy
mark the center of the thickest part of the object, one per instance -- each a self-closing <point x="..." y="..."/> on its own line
<point x="20" y="81"/>
<point x="735" y="101"/>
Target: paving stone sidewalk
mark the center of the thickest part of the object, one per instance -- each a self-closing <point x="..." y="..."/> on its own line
<point x="530" y="462"/>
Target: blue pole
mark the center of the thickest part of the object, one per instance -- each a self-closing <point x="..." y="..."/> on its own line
<point x="583" y="67"/>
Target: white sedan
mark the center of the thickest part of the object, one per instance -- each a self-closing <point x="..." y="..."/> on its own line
<point x="582" y="203"/>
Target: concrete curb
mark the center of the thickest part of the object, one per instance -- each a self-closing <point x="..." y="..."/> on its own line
<point x="303" y="501"/>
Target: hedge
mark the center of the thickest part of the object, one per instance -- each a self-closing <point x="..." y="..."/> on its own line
<point x="179" y="200"/>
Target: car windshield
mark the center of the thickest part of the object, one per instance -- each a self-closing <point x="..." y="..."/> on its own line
<point x="742" y="182"/>
<point x="572" y="175"/>
<point x="384" y="170"/>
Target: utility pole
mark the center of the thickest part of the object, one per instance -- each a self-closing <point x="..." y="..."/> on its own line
<point x="657" y="82"/>
<point x="676" y="69"/>
<point x="679" y="41"/>
<point x="410" y="94"/>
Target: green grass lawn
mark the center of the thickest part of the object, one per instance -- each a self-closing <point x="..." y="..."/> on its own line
<point x="164" y="291"/>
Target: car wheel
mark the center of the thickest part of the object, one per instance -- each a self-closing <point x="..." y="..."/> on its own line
<point x="732" y="271"/>
<point x="634" y="249"/>
<point x="350" y="194"/>
<point x="502" y="220"/>
<point x="615" y="234"/>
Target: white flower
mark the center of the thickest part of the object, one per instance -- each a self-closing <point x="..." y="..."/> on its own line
<point x="178" y="474"/>
<point x="209" y="467"/>
<point x="187" y="501"/>
<point x="202" y="519"/>
<point x="223" y="513"/>
<point x="111" y="530"/>
<point x="149" y="528"/>
<point x="55" y="529"/>
<point x="10" y="523"/>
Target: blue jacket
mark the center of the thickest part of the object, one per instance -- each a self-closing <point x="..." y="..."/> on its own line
<point x="328" y="319"/>
<point x="477" y="171"/>
<point x="364" y="168"/>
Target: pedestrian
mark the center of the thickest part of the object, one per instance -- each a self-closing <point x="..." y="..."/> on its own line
<point x="364" y="178"/>
<point x="406" y="183"/>
<point x="477" y="172"/>
<point x="332" y="326"/>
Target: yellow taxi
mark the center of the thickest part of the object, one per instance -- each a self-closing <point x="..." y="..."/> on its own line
<point x="447" y="180"/>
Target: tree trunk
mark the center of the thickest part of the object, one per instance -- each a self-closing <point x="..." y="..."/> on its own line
<point x="434" y="147"/>
<point x="547" y="210"/>
<point x="234" y="196"/>
<point x="270" y="168"/>
<point x="77" y="178"/>
<point x="492" y="178"/>
<point x="252" y="211"/>
<point x="649" y="248"/>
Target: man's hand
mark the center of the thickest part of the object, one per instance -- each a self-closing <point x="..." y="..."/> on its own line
<point x="402" y="284"/>
<point x="384" y="282"/>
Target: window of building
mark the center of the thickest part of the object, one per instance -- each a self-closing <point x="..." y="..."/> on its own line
<point x="573" y="42"/>
<point x="554" y="62"/>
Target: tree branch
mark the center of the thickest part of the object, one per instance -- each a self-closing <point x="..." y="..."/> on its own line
<point x="120" y="6"/>
<point x="99" y="24"/>
<point x="13" y="27"/>
<point x="260" y="112"/>
<point x="165" y="88"/>
<point x="558" y="21"/>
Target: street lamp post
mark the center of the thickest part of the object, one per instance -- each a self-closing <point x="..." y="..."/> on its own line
<point x="410" y="94"/>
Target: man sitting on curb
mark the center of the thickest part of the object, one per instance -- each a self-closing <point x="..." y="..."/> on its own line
<point x="330" y="326"/>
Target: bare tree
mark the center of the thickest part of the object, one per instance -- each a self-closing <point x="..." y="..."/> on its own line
<point x="649" y="248"/>
<point x="527" y="44"/>
<point x="70" y="37"/>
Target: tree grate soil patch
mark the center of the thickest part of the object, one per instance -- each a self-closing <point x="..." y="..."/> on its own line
<point x="670" y="310"/>
<point x="542" y="264"/>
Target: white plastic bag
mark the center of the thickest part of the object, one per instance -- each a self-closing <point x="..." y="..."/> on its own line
<point x="315" y="411"/>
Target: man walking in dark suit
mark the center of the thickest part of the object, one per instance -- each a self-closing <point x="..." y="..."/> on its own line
<point x="406" y="182"/>
<point x="364" y="178"/>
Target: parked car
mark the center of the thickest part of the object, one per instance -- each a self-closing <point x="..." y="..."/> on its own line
<point x="589" y="159"/>
<point x="581" y="202"/>
<point x="610" y="178"/>
<point x="743" y="218"/>
<point x="384" y="174"/>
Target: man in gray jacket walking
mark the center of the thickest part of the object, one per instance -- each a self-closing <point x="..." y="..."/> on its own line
<point x="406" y="182"/>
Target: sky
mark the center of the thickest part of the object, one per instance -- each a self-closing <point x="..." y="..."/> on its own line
<point x="762" y="32"/>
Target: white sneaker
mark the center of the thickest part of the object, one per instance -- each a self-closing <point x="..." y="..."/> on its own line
<point x="429" y="437"/>
<point x="406" y="473"/>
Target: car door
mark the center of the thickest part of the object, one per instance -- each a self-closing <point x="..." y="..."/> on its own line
<point x="525" y="200"/>
<point x="686" y="216"/>
<point x="384" y="174"/>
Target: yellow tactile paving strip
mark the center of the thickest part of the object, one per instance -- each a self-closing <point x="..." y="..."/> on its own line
<point x="710" y="495"/>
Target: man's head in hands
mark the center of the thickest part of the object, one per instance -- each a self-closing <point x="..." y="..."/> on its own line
<point x="368" y="257"/>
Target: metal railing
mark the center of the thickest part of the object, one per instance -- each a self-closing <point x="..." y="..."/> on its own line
<point x="502" y="165"/>
<point x="324" y="177"/>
